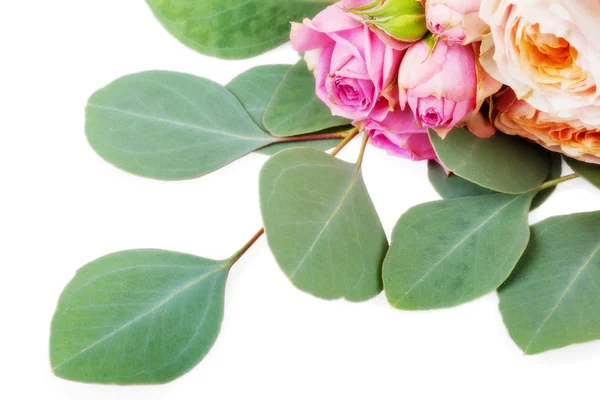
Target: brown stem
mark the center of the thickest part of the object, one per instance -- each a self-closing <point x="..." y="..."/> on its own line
<point x="318" y="136"/>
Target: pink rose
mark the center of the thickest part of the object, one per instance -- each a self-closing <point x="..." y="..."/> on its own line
<point x="399" y="134"/>
<point x="456" y="21"/>
<point x="440" y="86"/>
<point x="355" y="70"/>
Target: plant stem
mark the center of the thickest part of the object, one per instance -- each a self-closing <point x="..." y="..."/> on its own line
<point x="361" y="155"/>
<point x="318" y="136"/>
<point x="556" y="181"/>
<point x="247" y="246"/>
<point x="351" y="134"/>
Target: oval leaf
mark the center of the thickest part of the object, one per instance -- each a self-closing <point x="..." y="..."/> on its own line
<point x="295" y="108"/>
<point x="590" y="172"/>
<point x="555" y="173"/>
<point x="321" y="224"/>
<point x="452" y="186"/>
<point x="552" y="299"/>
<point x="139" y="316"/>
<point x="254" y="89"/>
<point x="502" y="163"/>
<point x="233" y="29"/>
<point x="450" y="252"/>
<point x="168" y="125"/>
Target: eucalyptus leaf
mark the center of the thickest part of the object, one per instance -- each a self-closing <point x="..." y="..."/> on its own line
<point x="552" y="299"/>
<point x="233" y="29"/>
<point x="588" y="171"/>
<point x="138" y="316"/>
<point x="555" y="173"/>
<point x="321" y="224"/>
<point x="171" y="126"/>
<point x="295" y="109"/>
<point x="254" y="89"/>
<point x="450" y="252"/>
<point x="502" y="163"/>
<point x="452" y="186"/>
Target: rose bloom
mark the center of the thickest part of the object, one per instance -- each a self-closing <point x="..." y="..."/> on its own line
<point x="569" y="136"/>
<point x="440" y="86"/>
<point x="355" y="70"/>
<point x="456" y="21"/>
<point x="548" y="51"/>
<point x="399" y="134"/>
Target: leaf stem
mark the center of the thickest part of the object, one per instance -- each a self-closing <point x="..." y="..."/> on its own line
<point x="363" y="146"/>
<point x="556" y="181"/>
<point x="350" y="134"/>
<point x="318" y="136"/>
<point x="246" y="247"/>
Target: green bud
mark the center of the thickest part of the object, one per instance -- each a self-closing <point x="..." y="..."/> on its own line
<point x="401" y="19"/>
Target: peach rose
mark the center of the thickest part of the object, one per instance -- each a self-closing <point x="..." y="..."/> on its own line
<point x="569" y="136"/>
<point x="548" y="51"/>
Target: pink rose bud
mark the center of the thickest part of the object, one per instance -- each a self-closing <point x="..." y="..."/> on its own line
<point x="355" y="70"/>
<point x="399" y="134"/>
<point x="456" y="21"/>
<point x="403" y="20"/>
<point x="440" y="86"/>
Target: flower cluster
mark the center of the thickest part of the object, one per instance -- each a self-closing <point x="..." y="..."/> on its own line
<point x="397" y="68"/>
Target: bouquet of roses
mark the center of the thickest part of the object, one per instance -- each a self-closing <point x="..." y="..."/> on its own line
<point x="494" y="93"/>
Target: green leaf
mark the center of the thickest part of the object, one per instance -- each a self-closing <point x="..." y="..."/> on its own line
<point x="588" y="171"/>
<point x="138" y="316"/>
<point x="168" y="125"/>
<point x="552" y="298"/>
<point x="502" y="163"/>
<point x="555" y="173"/>
<point x="452" y="186"/>
<point x="295" y="108"/>
<point x="450" y="252"/>
<point x="233" y="29"/>
<point x="254" y="89"/>
<point x="321" y="224"/>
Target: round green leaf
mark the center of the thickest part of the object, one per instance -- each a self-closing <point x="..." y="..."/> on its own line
<point x="254" y="89"/>
<point x="295" y="109"/>
<point x="452" y="186"/>
<point x="555" y="173"/>
<point x="552" y="299"/>
<point x="502" y="163"/>
<point x="168" y="125"/>
<point x="139" y="316"/>
<point x="233" y="29"/>
<point x="450" y="252"/>
<point x="321" y="224"/>
<point x="588" y="171"/>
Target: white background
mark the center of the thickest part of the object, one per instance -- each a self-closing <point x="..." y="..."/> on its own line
<point x="62" y="206"/>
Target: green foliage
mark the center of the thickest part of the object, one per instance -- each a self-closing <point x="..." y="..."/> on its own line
<point x="321" y="224"/>
<point x="295" y="109"/>
<point x="588" y="171"/>
<point x="139" y="316"/>
<point x="255" y="88"/>
<point x="450" y="252"/>
<point x="552" y="299"/>
<point x="501" y="163"/>
<point x="452" y="186"/>
<point x="233" y="29"/>
<point x="171" y="126"/>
